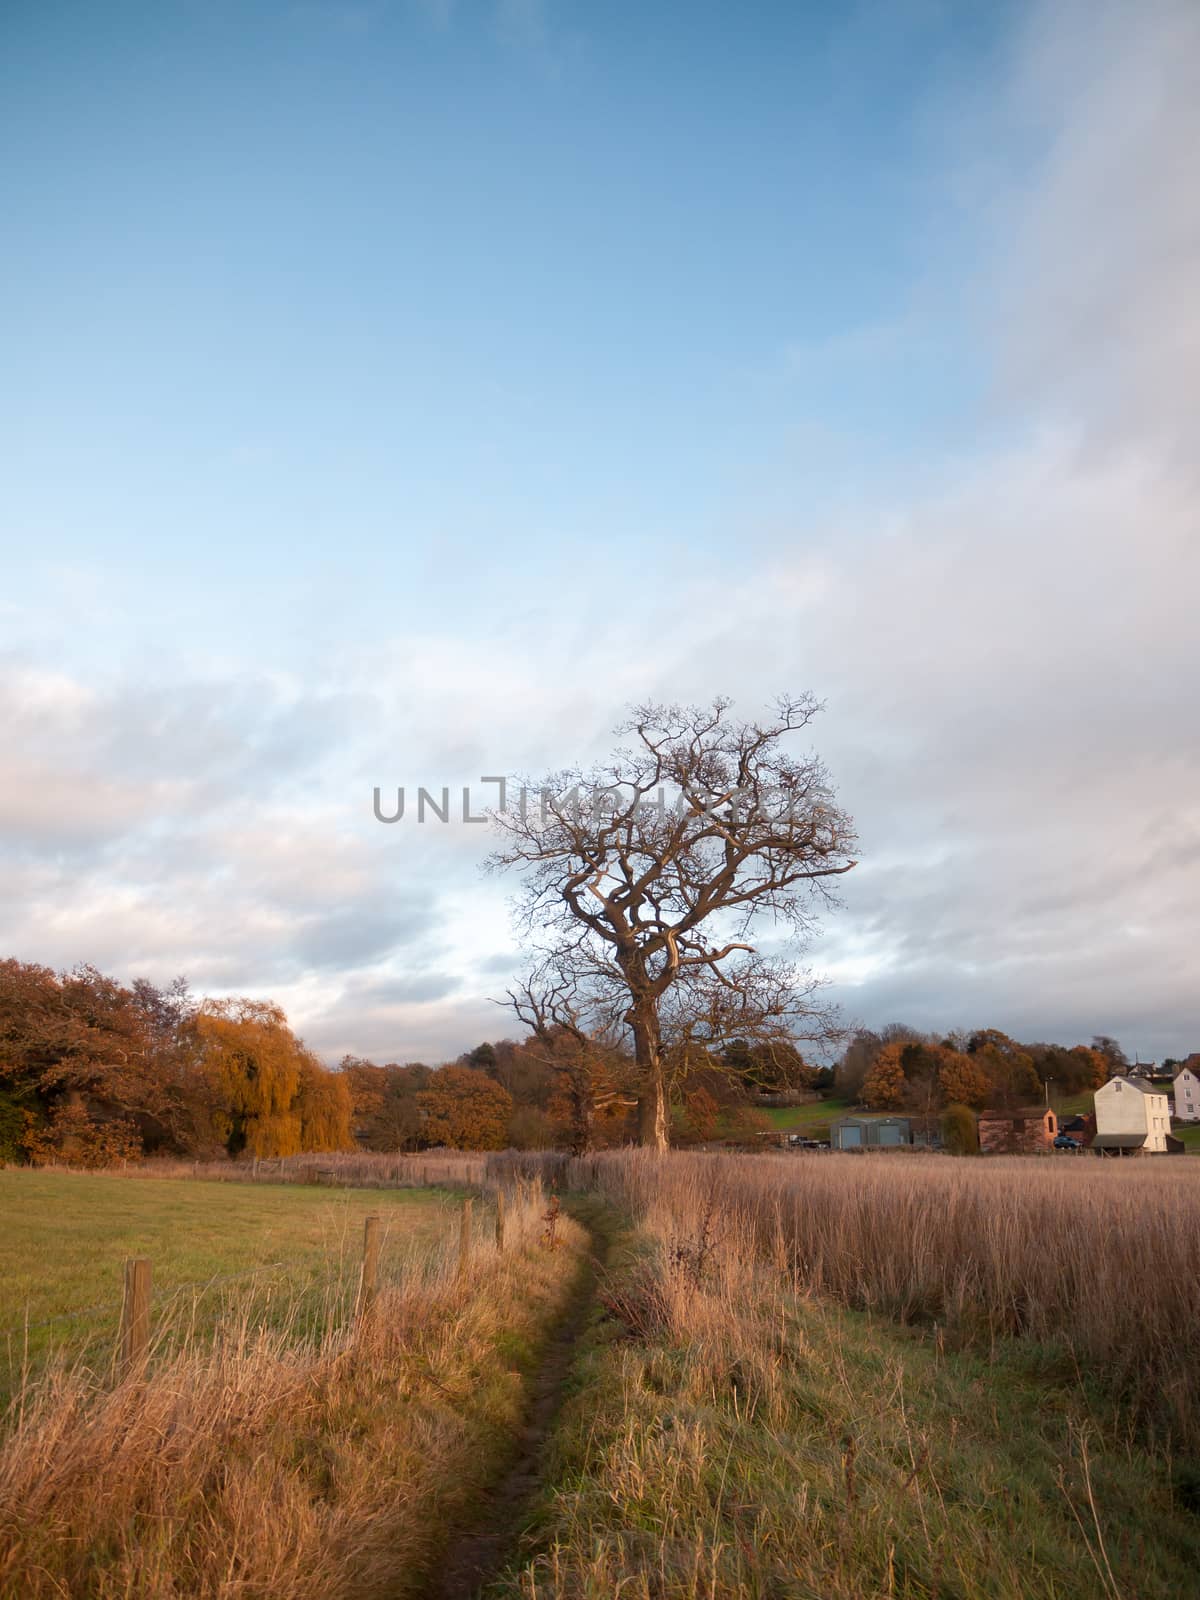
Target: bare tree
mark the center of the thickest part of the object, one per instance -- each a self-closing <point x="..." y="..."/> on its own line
<point x="586" y="1062"/>
<point x="645" y="877"/>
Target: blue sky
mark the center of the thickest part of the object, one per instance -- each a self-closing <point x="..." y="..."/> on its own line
<point x="302" y="282"/>
<point x="393" y="390"/>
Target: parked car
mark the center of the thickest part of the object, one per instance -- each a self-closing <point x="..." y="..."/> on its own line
<point x="1064" y="1141"/>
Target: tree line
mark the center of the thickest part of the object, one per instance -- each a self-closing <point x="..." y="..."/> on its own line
<point x="93" y="1071"/>
<point x="901" y="1068"/>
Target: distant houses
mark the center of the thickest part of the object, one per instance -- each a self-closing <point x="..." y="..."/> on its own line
<point x="1186" y="1089"/>
<point x="1028" y="1132"/>
<point x="1132" y="1114"/>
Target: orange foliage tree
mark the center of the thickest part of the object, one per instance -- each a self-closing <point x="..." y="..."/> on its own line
<point x="962" y="1079"/>
<point x="885" y="1084"/>
<point x="465" y="1110"/>
<point x="269" y="1095"/>
<point x="324" y="1105"/>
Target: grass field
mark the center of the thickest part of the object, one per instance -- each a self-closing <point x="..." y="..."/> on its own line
<point x="329" y="1467"/>
<point x="731" y="1436"/>
<point x="811" y="1120"/>
<point x="66" y="1236"/>
<point x="837" y="1379"/>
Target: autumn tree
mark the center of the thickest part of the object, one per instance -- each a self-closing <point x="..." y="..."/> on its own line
<point x="366" y="1084"/>
<point x="72" y="1134"/>
<point x="645" y="905"/>
<point x="857" y="1060"/>
<point x="702" y="1113"/>
<point x="465" y="1110"/>
<point x="885" y="1084"/>
<point x="323" y="1105"/>
<point x="590" y="1072"/>
<point x="1012" y="1080"/>
<point x="532" y="1129"/>
<point x="1071" y="1071"/>
<point x="78" y="1050"/>
<point x="770" y="1065"/>
<point x="962" y="1079"/>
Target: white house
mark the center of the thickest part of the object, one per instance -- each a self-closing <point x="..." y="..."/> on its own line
<point x="1131" y="1115"/>
<point x="1187" y="1095"/>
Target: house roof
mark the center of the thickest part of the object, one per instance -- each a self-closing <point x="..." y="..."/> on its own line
<point x="1025" y="1114"/>
<point x="1118" y="1141"/>
<point x="1138" y="1083"/>
<point x="870" y="1116"/>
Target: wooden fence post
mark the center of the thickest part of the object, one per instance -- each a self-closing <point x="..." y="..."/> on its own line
<point x="464" y="1239"/>
<point x="135" y="1315"/>
<point x="369" y="1287"/>
<point x="499" y="1219"/>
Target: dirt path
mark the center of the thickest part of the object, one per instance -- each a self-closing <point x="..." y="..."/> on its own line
<point x="482" y="1548"/>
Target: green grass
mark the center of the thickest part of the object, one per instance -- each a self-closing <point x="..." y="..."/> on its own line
<point x="1072" y="1105"/>
<point x="811" y="1120"/>
<point x="765" y="1445"/>
<point x="1190" y="1136"/>
<point x="66" y="1236"/>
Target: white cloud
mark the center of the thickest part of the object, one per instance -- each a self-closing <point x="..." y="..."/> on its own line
<point x="1009" y="655"/>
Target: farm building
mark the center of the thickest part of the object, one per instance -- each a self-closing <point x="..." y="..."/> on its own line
<point x="1132" y="1115"/>
<point x="1187" y="1094"/>
<point x="865" y="1131"/>
<point x="1027" y="1132"/>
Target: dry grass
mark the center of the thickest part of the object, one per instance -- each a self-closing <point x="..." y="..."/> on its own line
<point x="828" y="1377"/>
<point x="350" y="1169"/>
<point x="269" y="1464"/>
<point x="730" y="1437"/>
<point x="1101" y="1259"/>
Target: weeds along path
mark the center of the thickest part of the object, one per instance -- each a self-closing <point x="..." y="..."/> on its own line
<point x="480" y="1549"/>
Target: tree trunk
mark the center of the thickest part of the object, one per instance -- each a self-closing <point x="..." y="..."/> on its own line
<point x="581" y="1110"/>
<point x="653" y="1120"/>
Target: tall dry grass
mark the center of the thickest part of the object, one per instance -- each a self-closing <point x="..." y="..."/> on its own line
<point x="358" y="1169"/>
<point x="345" y="1169"/>
<point x="1100" y="1258"/>
<point x="731" y="1435"/>
<point x="268" y="1462"/>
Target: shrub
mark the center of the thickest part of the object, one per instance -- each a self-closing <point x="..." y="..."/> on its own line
<point x="960" y="1131"/>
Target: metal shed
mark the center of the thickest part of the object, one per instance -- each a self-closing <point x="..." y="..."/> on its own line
<point x="865" y="1132"/>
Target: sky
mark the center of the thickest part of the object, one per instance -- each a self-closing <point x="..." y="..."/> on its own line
<point x="395" y="390"/>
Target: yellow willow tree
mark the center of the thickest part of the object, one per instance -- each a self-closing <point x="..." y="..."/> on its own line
<point x="324" y="1105"/>
<point x="252" y="1062"/>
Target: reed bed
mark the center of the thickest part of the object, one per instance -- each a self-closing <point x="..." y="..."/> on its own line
<point x="732" y="1435"/>
<point x="1101" y="1259"/>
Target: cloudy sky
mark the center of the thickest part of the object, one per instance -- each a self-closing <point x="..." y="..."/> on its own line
<point x="394" y="389"/>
